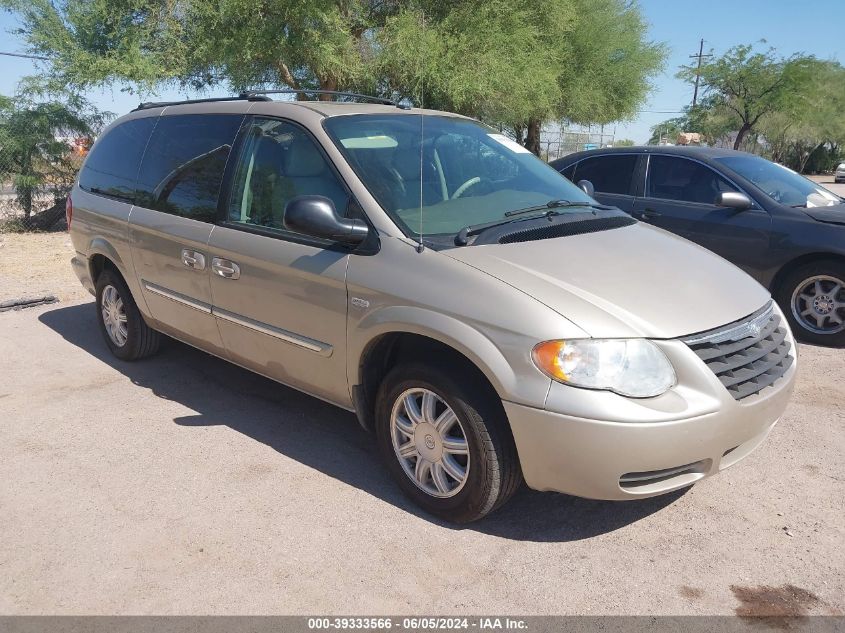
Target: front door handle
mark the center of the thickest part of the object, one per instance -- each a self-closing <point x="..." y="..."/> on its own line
<point x="650" y="214"/>
<point x="225" y="268"/>
<point x="193" y="259"/>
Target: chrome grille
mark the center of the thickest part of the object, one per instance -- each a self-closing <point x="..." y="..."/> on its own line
<point x="748" y="355"/>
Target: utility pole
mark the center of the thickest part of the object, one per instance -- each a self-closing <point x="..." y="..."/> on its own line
<point x="700" y="56"/>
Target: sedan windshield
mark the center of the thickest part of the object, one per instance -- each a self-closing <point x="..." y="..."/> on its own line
<point x="780" y="183"/>
<point x="435" y="175"/>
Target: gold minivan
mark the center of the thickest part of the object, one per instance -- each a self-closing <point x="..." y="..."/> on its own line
<point x="485" y="317"/>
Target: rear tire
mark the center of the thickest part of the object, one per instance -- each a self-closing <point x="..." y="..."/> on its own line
<point x="490" y="464"/>
<point x="126" y="333"/>
<point x="813" y="298"/>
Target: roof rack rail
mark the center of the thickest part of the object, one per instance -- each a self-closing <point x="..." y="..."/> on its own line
<point x="160" y="104"/>
<point x="247" y="94"/>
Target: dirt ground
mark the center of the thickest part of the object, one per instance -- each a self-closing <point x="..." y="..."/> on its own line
<point x="185" y="485"/>
<point x="33" y="264"/>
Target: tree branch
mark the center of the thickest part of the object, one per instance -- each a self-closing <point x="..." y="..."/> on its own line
<point x="287" y="76"/>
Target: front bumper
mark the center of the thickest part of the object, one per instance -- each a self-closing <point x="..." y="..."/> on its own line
<point x="642" y="448"/>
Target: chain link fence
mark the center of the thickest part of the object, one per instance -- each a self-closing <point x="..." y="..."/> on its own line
<point x="36" y="175"/>
<point x="557" y="140"/>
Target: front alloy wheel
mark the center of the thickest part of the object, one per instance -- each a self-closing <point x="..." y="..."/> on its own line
<point x="444" y="436"/>
<point x="812" y="298"/>
<point x="818" y="304"/>
<point x="430" y="442"/>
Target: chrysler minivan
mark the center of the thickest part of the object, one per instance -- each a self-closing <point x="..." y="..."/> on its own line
<point x="488" y="320"/>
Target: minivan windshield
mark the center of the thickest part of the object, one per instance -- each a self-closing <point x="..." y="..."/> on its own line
<point x="780" y="183"/>
<point x="435" y="175"/>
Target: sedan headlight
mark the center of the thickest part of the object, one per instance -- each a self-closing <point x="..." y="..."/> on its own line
<point x="629" y="367"/>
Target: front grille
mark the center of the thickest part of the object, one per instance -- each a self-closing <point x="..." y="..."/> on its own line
<point x="748" y="355"/>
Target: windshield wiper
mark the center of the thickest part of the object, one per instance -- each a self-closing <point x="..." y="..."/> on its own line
<point x="555" y="204"/>
<point x="461" y="238"/>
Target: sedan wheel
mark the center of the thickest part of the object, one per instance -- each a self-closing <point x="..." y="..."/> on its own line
<point x="818" y="304"/>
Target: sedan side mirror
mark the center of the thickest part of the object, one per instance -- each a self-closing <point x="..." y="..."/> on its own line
<point x="587" y="187"/>
<point x="733" y="200"/>
<point x="317" y="217"/>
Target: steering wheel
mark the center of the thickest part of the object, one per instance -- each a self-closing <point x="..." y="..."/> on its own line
<point x="777" y="195"/>
<point x="469" y="183"/>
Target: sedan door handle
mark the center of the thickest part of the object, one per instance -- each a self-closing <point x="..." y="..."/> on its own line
<point x="649" y="214"/>
<point x="193" y="259"/>
<point x="225" y="268"/>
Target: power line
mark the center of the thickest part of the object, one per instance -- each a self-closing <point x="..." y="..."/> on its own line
<point x="38" y="57"/>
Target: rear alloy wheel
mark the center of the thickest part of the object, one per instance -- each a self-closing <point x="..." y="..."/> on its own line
<point x="124" y="329"/>
<point x="114" y="316"/>
<point x="445" y="438"/>
<point x="813" y="300"/>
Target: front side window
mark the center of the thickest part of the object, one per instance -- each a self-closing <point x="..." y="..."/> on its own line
<point x="609" y="174"/>
<point x="780" y="183"/>
<point x="569" y="172"/>
<point x="183" y="166"/>
<point x="435" y="175"/>
<point x="112" y="165"/>
<point x="673" y="178"/>
<point x="279" y="162"/>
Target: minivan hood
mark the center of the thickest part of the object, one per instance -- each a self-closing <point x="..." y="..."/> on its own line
<point x="632" y="281"/>
<point x="834" y="214"/>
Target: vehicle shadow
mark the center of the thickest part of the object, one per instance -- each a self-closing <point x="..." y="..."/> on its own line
<point x="223" y="394"/>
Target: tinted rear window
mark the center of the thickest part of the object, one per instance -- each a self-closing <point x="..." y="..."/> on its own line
<point x="184" y="163"/>
<point x="112" y="165"/>
<point x="609" y="174"/>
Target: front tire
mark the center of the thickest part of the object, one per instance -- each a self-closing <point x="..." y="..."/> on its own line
<point x="813" y="299"/>
<point x="446" y="441"/>
<point x="124" y="329"/>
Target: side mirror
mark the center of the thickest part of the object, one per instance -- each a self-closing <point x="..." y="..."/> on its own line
<point x="316" y="216"/>
<point x="587" y="187"/>
<point x="733" y="200"/>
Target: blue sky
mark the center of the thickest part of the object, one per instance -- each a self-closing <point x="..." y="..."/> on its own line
<point x="790" y="26"/>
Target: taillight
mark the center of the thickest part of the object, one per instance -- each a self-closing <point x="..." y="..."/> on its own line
<point x="68" y="211"/>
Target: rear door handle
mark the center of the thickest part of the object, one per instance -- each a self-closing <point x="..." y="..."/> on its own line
<point x="193" y="259"/>
<point x="649" y="214"/>
<point x="225" y="268"/>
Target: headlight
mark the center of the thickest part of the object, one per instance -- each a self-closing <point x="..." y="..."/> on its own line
<point x="629" y="367"/>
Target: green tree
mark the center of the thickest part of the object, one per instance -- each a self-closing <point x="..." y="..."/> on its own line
<point x="515" y="64"/>
<point x="143" y="44"/>
<point x="34" y="156"/>
<point x="746" y="84"/>
<point x="518" y="64"/>
<point x="667" y="131"/>
<point x="810" y="123"/>
<point x="623" y="142"/>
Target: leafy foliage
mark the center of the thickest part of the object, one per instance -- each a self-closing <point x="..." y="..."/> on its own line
<point x="788" y="109"/>
<point x="33" y="155"/>
<point x="513" y="63"/>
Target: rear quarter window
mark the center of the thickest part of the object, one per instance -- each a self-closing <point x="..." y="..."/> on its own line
<point x="112" y="166"/>
<point x="183" y="166"/>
